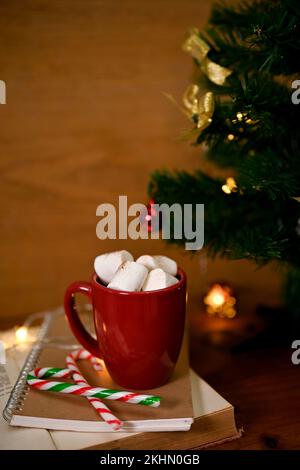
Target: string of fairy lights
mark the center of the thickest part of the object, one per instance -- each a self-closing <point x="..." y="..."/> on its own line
<point x="24" y="335"/>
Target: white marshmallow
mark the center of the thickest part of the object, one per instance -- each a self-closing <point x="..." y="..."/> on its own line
<point x="148" y="261"/>
<point x="155" y="262"/>
<point x="130" y="277"/>
<point x="106" y="265"/>
<point x="158" y="279"/>
<point x="167" y="264"/>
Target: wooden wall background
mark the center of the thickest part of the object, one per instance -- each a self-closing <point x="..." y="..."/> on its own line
<point x="85" y="121"/>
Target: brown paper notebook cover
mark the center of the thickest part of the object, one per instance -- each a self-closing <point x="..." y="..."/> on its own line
<point x="66" y="412"/>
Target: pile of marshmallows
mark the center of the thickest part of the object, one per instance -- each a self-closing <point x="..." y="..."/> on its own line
<point x="119" y="271"/>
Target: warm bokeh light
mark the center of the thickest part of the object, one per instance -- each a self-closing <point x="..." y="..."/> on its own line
<point x="226" y="189"/>
<point x="21" y="334"/>
<point x="220" y="301"/>
<point x="230" y="186"/>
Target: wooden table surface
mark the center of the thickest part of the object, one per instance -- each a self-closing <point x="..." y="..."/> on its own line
<point x="262" y="384"/>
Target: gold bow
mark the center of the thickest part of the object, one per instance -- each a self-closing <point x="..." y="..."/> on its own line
<point x="199" y="49"/>
<point x="200" y="107"/>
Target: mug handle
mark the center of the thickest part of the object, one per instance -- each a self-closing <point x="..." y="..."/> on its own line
<point x="87" y="341"/>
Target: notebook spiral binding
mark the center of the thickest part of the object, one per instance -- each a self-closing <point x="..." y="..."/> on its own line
<point x="20" y="389"/>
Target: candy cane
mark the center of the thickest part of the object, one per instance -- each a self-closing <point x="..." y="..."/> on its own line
<point x="110" y="394"/>
<point x="78" y="378"/>
<point x="33" y="379"/>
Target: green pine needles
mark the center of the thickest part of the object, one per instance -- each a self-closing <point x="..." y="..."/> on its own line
<point x="254" y="131"/>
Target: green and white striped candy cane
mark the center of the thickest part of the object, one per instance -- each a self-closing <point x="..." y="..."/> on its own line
<point x="34" y="380"/>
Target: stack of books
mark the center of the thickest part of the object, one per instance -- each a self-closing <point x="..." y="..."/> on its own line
<point x="191" y="415"/>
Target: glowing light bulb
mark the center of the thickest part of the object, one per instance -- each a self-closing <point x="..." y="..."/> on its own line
<point x="230" y="186"/>
<point x="231" y="182"/>
<point x="217" y="299"/>
<point x="226" y="189"/>
<point x="230" y="137"/>
<point x="21" y="334"/>
<point x="220" y="302"/>
<point x="239" y="116"/>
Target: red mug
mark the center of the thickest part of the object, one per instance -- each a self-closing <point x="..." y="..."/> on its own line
<point x="139" y="334"/>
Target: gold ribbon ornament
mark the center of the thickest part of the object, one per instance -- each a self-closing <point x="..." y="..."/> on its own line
<point x="199" y="107"/>
<point x="199" y="49"/>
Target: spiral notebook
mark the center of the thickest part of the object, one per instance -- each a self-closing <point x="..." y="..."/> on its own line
<point x="34" y="408"/>
<point x="144" y="427"/>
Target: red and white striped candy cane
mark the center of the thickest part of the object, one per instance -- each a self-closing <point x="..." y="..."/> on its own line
<point x="33" y="379"/>
<point x="78" y="378"/>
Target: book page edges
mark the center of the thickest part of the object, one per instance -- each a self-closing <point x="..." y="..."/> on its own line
<point x="102" y="427"/>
